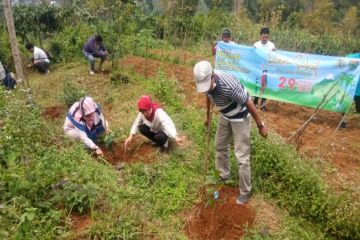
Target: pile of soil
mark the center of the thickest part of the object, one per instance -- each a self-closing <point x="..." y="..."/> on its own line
<point x="80" y="221"/>
<point x="54" y="112"/>
<point x="221" y="218"/>
<point x="140" y="150"/>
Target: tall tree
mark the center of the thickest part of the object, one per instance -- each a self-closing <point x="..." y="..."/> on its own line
<point x="319" y="17"/>
<point x="13" y="41"/>
<point x="350" y="22"/>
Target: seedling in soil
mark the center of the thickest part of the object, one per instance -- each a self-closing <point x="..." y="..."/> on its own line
<point x="109" y="141"/>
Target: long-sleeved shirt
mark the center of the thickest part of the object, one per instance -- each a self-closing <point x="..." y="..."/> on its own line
<point x="93" y="47"/>
<point x="161" y="122"/>
<point x="71" y="130"/>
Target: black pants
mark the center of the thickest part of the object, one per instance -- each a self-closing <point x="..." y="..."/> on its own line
<point x="357" y="103"/>
<point x="159" y="138"/>
<point x="42" y="66"/>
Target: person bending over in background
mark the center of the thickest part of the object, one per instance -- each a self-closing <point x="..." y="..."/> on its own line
<point x="94" y="48"/>
<point x="265" y="44"/>
<point x="85" y="121"/>
<point x="7" y="79"/>
<point x="39" y="58"/>
<point x="225" y="38"/>
<point x="235" y="106"/>
<point x="154" y="123"/>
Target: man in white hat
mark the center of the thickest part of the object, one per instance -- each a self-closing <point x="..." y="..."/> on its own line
<point x="236" y="106"/>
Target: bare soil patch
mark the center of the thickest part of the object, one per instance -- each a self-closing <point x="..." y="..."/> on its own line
<point x="221" y="218"/>
<point x="183" y="75"/>
<point x="53" y="112"/>
<point x="80" y="221"/>
<point x="140" y="150"/>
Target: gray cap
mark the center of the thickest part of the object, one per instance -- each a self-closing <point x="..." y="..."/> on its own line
<point x="202" y="73"/>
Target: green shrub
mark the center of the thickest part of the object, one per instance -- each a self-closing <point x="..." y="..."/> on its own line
<point x="164" y="89"/>
<point x="71" y="93"/>
<point x="295" y="183"/>
<point x="118" y="78"/>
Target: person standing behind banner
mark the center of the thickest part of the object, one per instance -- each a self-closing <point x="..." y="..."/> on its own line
<point x="85" y="121"/>
<point x="357" y="91"/>
<point x="265" y="44"/>
<point x="225" y="38"/>
<point x="344" y="123"/>
<point x="357" y="97"/>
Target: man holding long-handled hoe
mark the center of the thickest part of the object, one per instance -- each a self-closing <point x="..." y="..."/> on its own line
<point x="236" y="106"/>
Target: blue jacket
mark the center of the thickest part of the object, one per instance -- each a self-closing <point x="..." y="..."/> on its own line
<point x="92" y="48"/>
<point x="356" y="55"/>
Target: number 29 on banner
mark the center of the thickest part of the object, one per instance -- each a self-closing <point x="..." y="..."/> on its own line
<point x="290" y="82"/>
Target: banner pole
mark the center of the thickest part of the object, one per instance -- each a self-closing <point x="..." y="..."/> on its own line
<point x="333" y="135"/>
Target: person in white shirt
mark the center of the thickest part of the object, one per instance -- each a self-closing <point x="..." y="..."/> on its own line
<point x="225" y="38"/>
<point x="39" y="58"/>
<point x="265" y="44"/>
<point x="154" y="123"/>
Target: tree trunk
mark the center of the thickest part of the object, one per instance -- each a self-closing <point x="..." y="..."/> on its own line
<point x="238" y="5"/>
<point x="12" y="37"/>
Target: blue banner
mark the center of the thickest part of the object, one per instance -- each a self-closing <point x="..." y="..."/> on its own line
<point x="304" y="79"/>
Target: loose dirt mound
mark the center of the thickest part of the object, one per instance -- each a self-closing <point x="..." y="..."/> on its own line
<point x="140" y="150"/>
<point x="221" y="218"/>
<point x="80" y="221"/>
<point x="53" y="112"/>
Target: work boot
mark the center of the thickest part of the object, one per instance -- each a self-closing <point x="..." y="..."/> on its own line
<point x="242" y="199"/>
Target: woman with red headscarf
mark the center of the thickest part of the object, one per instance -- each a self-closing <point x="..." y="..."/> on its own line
<point x="154" y="123"/>
<point x="84" y="121"/>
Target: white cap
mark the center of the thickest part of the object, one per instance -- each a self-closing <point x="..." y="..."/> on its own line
<point x="202" y="73"/>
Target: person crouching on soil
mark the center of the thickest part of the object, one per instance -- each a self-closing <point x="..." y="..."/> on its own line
<point x="154" y="123"/>
<point x="94" y="48"/>
<point x="85" y="121"/>
<point x="39" y="59"/>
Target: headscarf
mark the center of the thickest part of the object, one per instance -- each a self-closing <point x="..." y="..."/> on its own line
<point x="145" y="103"/>
<point x="86" y="106"/>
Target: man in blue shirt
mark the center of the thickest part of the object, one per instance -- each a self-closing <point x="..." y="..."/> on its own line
<point x="94" y="48"/>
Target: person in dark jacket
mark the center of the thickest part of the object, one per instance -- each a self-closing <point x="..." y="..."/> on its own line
<point x="94" y="48"/>
<point x="7" y="79"/>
